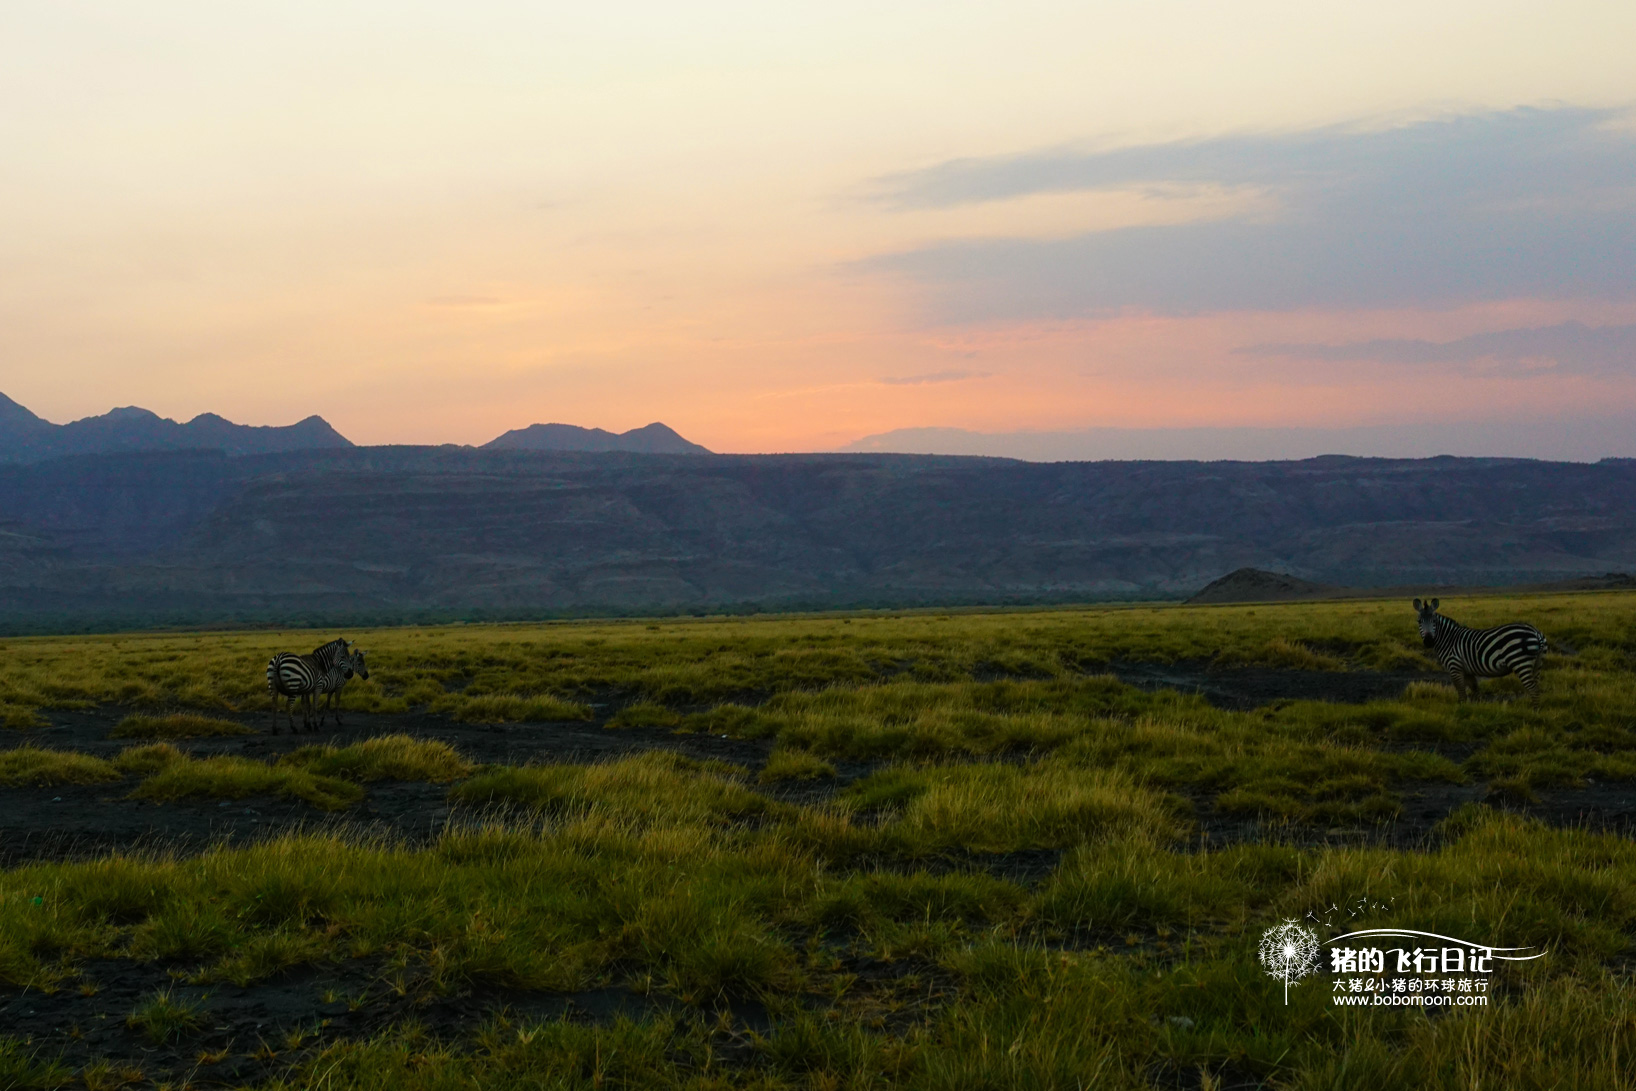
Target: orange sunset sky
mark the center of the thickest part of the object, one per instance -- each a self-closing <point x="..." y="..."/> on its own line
<point x="787" y="227"/>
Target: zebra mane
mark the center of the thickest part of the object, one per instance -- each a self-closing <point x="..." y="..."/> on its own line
<point x="328" y="654"/>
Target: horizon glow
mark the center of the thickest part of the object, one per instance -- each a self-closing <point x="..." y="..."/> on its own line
<point x="786" y="228"/>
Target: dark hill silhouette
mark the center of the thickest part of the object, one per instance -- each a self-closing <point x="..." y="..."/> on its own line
<point x="412" y="533"/>
<point x="25" y="437"/>
<point x="652" y="439"/>
<point x="1254" y="585"/>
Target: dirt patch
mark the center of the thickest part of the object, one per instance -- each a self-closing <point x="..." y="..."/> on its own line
<point x="248" y="1034"/>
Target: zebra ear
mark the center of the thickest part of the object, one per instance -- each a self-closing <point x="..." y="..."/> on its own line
<point x="1417" y="604"/>
<point x="1434" y="604"/>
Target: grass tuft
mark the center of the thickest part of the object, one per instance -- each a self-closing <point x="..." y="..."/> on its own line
<point x="163" y="1017"/>
<point x="651" y="787"/>
<point x="785" y="765"/>
<point x="41" y="767"/>
<point x="388" y="757"/>
<point x="176" y="725"/>
<point x="175" y="776"/>
<point x="19" y="717"/>
<point x="24" y="1069"/>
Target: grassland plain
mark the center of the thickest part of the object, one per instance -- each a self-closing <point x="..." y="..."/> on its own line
<point x="919" y="850"/>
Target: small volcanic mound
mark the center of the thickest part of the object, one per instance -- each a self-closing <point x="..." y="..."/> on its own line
<point x="1255" y="585"/>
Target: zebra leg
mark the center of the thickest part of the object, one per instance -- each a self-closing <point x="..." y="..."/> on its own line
<point x="1529" y="673"/>
<point x="1471" y="680"/>
<point x="275" y="712"/>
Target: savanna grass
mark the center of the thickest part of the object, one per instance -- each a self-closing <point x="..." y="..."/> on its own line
<point x="38" y="766"/>
<point x="704" y="914"/>
<point x="171" y="775"/>
<point x="175" y="725"/>
<point x="529" y="671"/>
<point x="386" y="757"/>
<point x="655" y="787"/>
<point x="1014" y="892"/>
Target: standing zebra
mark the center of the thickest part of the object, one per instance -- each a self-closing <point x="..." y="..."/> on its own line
<point x="303" y="677"/>
<point x="1469" y="654"/>
<point x="333" y="697"/>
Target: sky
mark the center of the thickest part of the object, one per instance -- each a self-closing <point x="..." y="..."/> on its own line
<point x="1065" y="229"/>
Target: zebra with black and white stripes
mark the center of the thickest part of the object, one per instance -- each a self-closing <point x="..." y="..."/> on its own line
<point x="360" y="669"/>
<point x="305" y="677"/>
<point x="1469" y="654"/>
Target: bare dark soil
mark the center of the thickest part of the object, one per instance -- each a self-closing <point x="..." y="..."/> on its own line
<point x="251" y="1033"/>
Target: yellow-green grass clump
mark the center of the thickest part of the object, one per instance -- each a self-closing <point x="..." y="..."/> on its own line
<point x="786" y="764"/>
<point x="164" y="1016"/>
<point x="1004" y="808"/>
<point x="388" y="757"/>
<point x="32" y="765"/>
<point x="171" y="775"/>
<point x="652" y="787"/>
<point x="645" y="714"/>
<point x="175" y="725"/>
<point x="29" y="1068"/>
<point x="19" y="716"/>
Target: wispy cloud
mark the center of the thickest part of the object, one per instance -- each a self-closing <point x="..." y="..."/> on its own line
<point x="1529" y="202"/>
<point x="1571" y="345"/>
<point x="933" y="377"/>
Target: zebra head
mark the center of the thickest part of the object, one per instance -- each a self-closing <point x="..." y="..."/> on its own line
<point x="333" y="654"/>
<point x="357" y="661"/>
<point x="1428" y="621"/>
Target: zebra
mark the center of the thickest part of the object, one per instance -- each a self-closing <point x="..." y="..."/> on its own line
<point x="1469" y="654"/>
<point x="355" y="660"/>
<point x="302" y="677"/>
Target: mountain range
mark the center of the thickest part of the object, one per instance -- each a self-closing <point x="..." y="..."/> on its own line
<point x="407" y="534"/>
<point x="652" y="439"/>
<point x="25" y="437"/>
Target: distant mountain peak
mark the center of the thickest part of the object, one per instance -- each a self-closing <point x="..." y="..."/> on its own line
<point x="24" y="437"/>
<point x="653" y="439"/>
<point x="1258" y="585"/>
<point x="13" y="416"/>
<point x="129" y="412"/>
